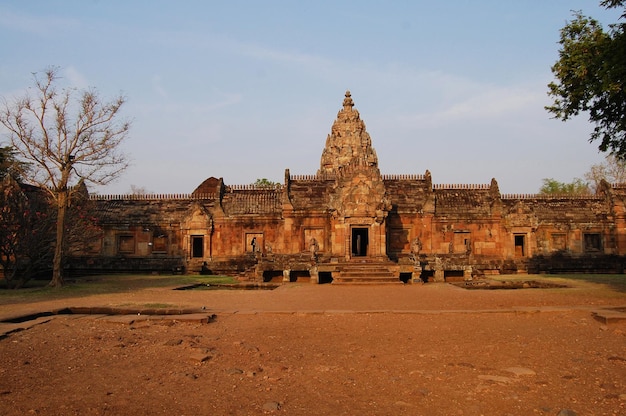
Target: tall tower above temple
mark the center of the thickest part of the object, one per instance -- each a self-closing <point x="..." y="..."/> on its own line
<point x="348" y="144"/>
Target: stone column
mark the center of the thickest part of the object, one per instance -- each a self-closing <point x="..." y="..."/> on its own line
<point x="439" y="275"/>
<point x="417" y="273"/>
<point x="315" y="278"/>
<point x="467" y="273"/>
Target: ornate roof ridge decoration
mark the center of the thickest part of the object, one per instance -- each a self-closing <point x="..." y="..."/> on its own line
<point x="316" y="177"/>
<point x="462" y="186"/>
<point x="148" y="197"/>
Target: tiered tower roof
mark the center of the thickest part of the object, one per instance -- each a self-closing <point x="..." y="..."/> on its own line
<point x="348" y="144"/>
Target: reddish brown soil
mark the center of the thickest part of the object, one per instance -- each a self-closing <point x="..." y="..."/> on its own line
<point x="322" y="350"/>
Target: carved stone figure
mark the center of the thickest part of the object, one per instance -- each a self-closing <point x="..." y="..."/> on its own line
<point x="313" y="248"/>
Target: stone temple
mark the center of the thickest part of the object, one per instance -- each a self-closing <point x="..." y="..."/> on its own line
<point x="349" y="223"/>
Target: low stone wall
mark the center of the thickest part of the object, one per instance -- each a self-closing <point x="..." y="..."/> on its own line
<point x="567" y="263"/>
<point x="80" y="266"/>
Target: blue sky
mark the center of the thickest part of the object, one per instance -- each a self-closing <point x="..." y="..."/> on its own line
<point x="245" y="89"/>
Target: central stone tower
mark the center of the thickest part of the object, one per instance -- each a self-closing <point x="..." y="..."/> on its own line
<point x="348" y="144"/>
<point x="358" y="203"/>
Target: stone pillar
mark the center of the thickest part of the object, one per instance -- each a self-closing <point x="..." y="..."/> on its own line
<point x="315" y="278"/>
<point x="417" y="273"/>
<point x="467" y="273"/>
<point x="258" y="274"/>
<point x="439" y="275"/>
<point x="286" y="276"/>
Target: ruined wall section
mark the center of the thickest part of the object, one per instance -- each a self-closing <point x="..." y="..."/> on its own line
<point x="143" y="232"/>
<point x="411" y="214"/>
<point x="252" y="202"/>
<point x="248" y="213"/>
<point x="306" y="221"/>
<point x="616" y="197"/>
<point x="467" y="220"/>
<point x="144" y="220"/>
<point x="574" y="225"/>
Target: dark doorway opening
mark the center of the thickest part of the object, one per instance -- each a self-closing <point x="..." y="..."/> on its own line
<point x="520" y="248"/>
<point x="427" y="275"/>
<point x="197" y="246"/>
<point x="275" y="276"/>
<point x="359" y="242"/>
<point x="405" y="277"/>
<point x="302" y="276"/>
<point x="453" y="275"/>
<point x="324" y="277"/>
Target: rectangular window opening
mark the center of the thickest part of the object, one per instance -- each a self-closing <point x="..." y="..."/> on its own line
<point x="559" y="242"/>
<point x="126" y="244"/>
<point x="159" y="244"/>
<point x="593" y="242"/>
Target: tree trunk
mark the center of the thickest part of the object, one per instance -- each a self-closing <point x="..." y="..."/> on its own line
<point x="57" y="263"/>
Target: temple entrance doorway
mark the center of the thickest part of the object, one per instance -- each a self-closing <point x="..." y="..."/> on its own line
<point x="360" y="241"/>
<point x="520" y="246"/>
<point x="197" y="246"/>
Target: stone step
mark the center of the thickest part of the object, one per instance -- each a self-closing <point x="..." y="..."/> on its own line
<point x="362" y="283"/>
<point x="364" y="273"/>
<point x="367" y="279"/>
<point x="366" y="269"/>
<point x="367" y="276"/>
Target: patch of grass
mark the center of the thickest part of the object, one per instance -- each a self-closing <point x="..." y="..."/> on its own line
<point x="147" y="305"/>
<point x="158" y="305"/>
<point x="103" y="284"/>
<point x="215" y="279"/>
<point x="613" y="282"/>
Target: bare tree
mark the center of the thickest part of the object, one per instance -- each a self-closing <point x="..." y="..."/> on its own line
<point x="612" y="170"/>
<point x="65" y="135"/>
<point x="138" y="190"/>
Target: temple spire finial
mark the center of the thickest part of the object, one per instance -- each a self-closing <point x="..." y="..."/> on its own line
<point x="347" y="102"/>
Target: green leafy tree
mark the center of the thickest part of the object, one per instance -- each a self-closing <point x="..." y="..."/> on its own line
<point x="67" y="136"/>
<point x="265" y="183"/>
<point x="590" y="75"/>
<point x="554" y="187"/>
<point x="9" y="164"/>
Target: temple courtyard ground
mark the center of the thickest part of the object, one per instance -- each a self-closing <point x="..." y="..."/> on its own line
<point x="302" y="349"/>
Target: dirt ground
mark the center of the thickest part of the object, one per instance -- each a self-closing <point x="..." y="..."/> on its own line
<point x="304" y="349"/>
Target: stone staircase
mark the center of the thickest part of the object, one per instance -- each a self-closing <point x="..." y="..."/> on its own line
<point x="366" y="272"/>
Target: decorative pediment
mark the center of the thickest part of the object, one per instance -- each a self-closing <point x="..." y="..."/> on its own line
<point x="360" y="195"/>
<point x="521" y="215"/>
<point x="198" y="217"/>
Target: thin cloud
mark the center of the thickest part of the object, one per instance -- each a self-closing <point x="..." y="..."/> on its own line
<point x="38" y="25"/>
<point x="172" y="106"/>
<point x="76" y="78"/>
<point x="490" y="104"/>
<point x="158" y="87"/>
